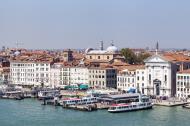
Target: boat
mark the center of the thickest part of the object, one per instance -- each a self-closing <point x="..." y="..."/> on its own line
<point x="187" y="106"/>
<point x="78" y="101"/>
<point x="47" y="94"/>
<point x="143" y="103"/>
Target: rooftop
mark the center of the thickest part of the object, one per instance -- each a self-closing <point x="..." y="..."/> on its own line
<point x="176" y="57"/>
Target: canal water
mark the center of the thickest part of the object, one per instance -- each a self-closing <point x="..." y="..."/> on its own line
<point x="30" y="112"/>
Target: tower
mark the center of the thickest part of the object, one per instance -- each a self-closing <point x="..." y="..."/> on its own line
<point x="157" y="47"/>
<point x="101" y="45"/>
<point x="68" y="55"/>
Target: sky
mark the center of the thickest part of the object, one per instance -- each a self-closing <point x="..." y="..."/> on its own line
<point x="60" y="24"/>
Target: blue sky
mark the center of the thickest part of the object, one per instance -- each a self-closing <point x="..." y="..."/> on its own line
<point x="83" y="23"/>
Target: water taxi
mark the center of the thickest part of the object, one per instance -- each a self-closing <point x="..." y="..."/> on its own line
<point x="143" y="103"/>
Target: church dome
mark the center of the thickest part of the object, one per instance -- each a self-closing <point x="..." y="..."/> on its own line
<point x="88" y="50"/>
<point x="16" y="53"/>
<point x="112" y="48"/>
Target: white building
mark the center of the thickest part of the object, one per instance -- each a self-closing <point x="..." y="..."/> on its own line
<point x="92" y="76"/>
<point x="183" y="84"/>
<point x="158" y="77"/>
<point x="131" y="77"/>
<point x="161" y="73"/>
<point x="126" y="80"/>
<point x="141" y="79"/>
<point x="55" y="75"/>
<point x="29" y="73"/>
<point x="65" y="75"/>
<point x="79" y="75"/>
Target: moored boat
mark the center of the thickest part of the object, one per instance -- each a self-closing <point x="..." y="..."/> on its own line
<point x="143" y="103"/>
<point x="79" y="101"/>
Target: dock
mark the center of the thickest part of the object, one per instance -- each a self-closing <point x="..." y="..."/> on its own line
<point x="169" y="103"/>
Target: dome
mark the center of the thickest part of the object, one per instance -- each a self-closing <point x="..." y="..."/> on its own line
<point x="88" y="50"/>
<point x="112" y="48"/>
<point x="17" y="53"/>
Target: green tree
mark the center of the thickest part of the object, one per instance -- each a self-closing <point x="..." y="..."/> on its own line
<point x="129" y="55"/>
<point x="132" y="58"/>
<point x="141" y="57"/>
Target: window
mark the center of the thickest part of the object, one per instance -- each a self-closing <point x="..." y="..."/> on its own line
<point x="165" y="77"/>
<point x="98" y="57"/>
<point x="149" y="77"/>
<point x="143" y="84"/>
<point x="137" y="77"/>
<point x="42" y="75"/>
<point x="108" y="57"/>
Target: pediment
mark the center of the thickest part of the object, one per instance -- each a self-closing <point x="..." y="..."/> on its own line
<point x="156" y="59"/>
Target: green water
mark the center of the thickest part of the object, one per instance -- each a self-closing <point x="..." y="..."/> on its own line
<point x="30" y="112"/>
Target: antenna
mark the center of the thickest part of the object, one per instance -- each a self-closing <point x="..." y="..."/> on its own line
<point x="17" y="44"/>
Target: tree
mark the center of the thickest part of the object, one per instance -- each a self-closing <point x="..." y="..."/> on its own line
<point x="132" y="58"/>
<point x="129" y="55"/>
<point x="141" y="57"/>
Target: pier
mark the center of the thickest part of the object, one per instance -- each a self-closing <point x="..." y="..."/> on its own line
<point x="169" y="103"/>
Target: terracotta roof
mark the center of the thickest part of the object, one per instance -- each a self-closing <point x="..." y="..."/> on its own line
<point x="33" y="58"/>
<point x="173" y="57"/>
<point x="133" y="67"/>
<point x="77" y="55"/>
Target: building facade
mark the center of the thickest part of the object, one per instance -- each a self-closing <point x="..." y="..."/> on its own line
<point x="79" y="75"/>
<point x="126" y="79"/>
<point x="55" y="75"/>
<point x="183" y="84"/>
<point x="102" y="77"/>
<point x="101" y="55"/>
<point x="30" y="73"/>
<point x="132" y="77"/>
<point x="161" y="73"/>
<point x="160" y="76"/>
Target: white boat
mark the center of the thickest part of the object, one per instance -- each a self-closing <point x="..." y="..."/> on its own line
<point x="47" y="94"/>
<point x="144" y="103"/>
<point x="78" y="101"/>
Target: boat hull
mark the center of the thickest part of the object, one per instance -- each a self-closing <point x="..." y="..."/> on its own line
<point x="128" y="110"/>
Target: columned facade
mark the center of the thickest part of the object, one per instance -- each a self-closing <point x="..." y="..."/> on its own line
<point x="159" y="77"/>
